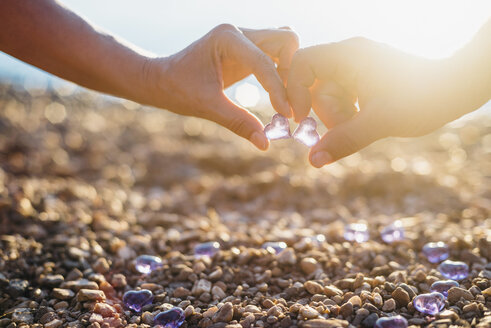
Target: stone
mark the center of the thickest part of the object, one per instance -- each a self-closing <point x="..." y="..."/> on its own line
<point x="181" y="292"/>
<point x="101" y="265"/>
<point x="22" y="315"/>
<point x="308" y="265"/>
<point x="208" y="249"/>
<point x="346" y="310"/>
<point x="391" y="322"/>
<point x="201" y="286"/>
<point x="76" y="285"/>
<point x="456" y="293"/>
<point x="287" y="257"/>
<point x="442" y="286"/>
<point x="225" y="313"/>
<point x="218" y="292"/>
<point x="306" y="132"/>
<point x="147" y="263"/>
<point x="393" y="232"/>
<point x="326" y="323"/>
<point x="278" y="128"/>
<point x="389" y="305"/>
<point x="54" y="323"/>
<point x="455" y="270"/>
<point x="313" y="287"/>
<point x="118" y="280"/>
<point x="401" y="297"/>
<point x="275" y="247"/>
<point x="357" y="232"/>
<point x="308" y="312"/>
<point x="63" y="294"/>
<point x="104" y="309"/>
<point x="90" y="295"/>
<point x="52" y="280"/>
<point x="172" y="318"/>
<point x="431" y="303"/>
<point x="17" y="288"/>
<point x="137" y="299"/>
<point x="436" y="252"/>
<point x="369" y="321"/>
<point x="332" y="291"/>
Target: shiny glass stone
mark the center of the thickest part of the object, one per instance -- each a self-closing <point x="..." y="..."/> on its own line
<point x="136" y="299"/>
<point x="172" y="318"/>
<point x="442" y="286"/>
<point x="274" y="246"/>
<point x="208" y="249"/>
<point x="147" y="263"/>
<point x="279" y="128"/>
<point x="391" y="322"/>
<point x="306" y="132"/>
<point x="436" y="252"/>
<point x="431" y="303"/>
<point x="392" y="232"/>
<point x="316" y="240"/>
<point x="356" y="232"/>
<point x="454" y="270"/>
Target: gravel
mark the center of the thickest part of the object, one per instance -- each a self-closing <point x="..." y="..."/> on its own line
<point x="104" y="181"/>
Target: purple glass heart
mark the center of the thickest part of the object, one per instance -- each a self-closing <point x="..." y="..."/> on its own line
<point x="306" y="132"/>
<point x="392" y="232"/>
<point x="429" y="303"/>
<point x="279" y="128"/>
<point x="172" y="318"/>
<point x="136" y="299"/>
<point x="454" y="270"/>
<point x="391" y="322"/>
<point x="206" y="249"/>
<point x="356" y="232"/>
<point x="442" y="286"/>
<point x="147" y="263"/>
<point x="436" y="252"/>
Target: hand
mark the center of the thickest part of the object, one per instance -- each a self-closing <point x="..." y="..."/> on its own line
<point x="398" y="94"/>
<point x="192" y="81"/>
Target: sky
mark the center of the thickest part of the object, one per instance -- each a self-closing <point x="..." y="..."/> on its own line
<point x="428" y="28"/>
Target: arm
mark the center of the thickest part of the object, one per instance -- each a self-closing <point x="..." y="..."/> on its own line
<point x="191" y="82"/>
<point x="398" y="94"/>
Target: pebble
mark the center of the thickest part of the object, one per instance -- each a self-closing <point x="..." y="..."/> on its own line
<point x="332" y="291"/>
<point x="22" y="315"/>
<point x="52" y="280"/>
<point x="326" y="323"/>
<point x="201" y="286"/>
<point x="456" y="293"/>
<point x="17" y="287"/>
<point x="225" y="313"/>
<point x="389" y="305"/>
<point x="308" y="312"/>
<point x="313" y="287"/>
<point x="274" y="246"/>
<point x="357" y="232"/>
<point x="76" y="285"/>
<point x="393" y="232"/>
<point x="369" y="321"/>
<point x="308" y="265"/>
<point x="287" y="257"/>
<point x="90" y="295"/>
<point x="181" y="292"/>
<point x="401" y="297"/>
<point x="62" y="293"/>
<point x="346" y="310"/>
<point x="101" y="265"/>
<point x="54" y="324"/>
<point x="118" y="280"/>
<point x="208" y="249"/>
<point x="442" y="286"/>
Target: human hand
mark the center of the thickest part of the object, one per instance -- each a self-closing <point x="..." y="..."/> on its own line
<point x="398" y="94"/>
<point x="191" y="82"/>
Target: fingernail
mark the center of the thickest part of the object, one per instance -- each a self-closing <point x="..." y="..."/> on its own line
<point x="259" y="140"/>
<point x="321" y="158"/>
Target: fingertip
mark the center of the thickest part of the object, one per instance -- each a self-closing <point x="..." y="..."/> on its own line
<point x="320" y="158"/>
<point x="259" y="140"/>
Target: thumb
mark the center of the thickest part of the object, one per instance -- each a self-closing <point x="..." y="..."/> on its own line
<point x="241" y="122"/>
<point x="344" y="139"/>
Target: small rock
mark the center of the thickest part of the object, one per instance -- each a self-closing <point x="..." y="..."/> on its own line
<point x="313" y="287"/>
<point x="17" y="288"/>
<point x="22" y="315"/>
<point x="456" y="293"/>
<point x="346" y="310"/>
<point x="332" y="291"/>
<point x="52" y="280"/>
<point x="326" y="323"/>
<point x="471" y="307"/>
<point x="401" y="297"/>
<point x="118" y="280"/>
<point x="217" y="292"/>
<point x="201" y="286"/>
<point x="62" y="294"/>
<point x="181" y="292"/>
<point x="54" y="324"/>
<point x="104" y="309"/>
<point x="47" y="317"/>
<point x="76" y="285"/>
<point x="389" y="305"/>
<point x="308" y="265"/>
<point x="308" y="312"/>
<point x="287" y="257"/>
<point x="447" y="314"/>
<point x="225" y="313"/>
<point x="147" y="318"/>
<point x="369" y="321"/>
<point x="90" y="295"/>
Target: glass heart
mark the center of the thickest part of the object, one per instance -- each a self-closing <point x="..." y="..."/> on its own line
<point x="279" y="128"/>
<point x="306" y="132"/>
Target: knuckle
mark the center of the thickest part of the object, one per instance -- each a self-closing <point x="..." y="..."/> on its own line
<point x="292" y="38"/>
<point x="238" y="125"/>
<point x="224" y="29"/>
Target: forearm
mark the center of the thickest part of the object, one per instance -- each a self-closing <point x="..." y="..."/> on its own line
<point x="47" y="35"/>
<point x="469" y="73"/>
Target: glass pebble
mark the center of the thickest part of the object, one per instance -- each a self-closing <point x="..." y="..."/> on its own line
<point x="147" y="263"/>
<point x="172" y="318"/>
<point x="279" y="128"/>
<point x="136" y="299"/>
<point x="208" y="249"/>
<point x="442" y="286"/>
<point x="274" y="246"/>
<point x="391" y="322"/>
<point x="436" y="252"/>
<point x="431" y="303"/>
<point x="454" y="270"/>
<point x="356" y="232"/>
<point x="316" y="240"/>
<point x="306" y="132"/>
<point x="393" y="232"/>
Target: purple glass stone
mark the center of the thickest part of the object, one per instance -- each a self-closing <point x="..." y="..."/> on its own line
<point x="356" y="232"/>
<point x="208" y="249"/>
<point x="442" y="286"/>
<point x="147" y="263"/>
<point x="274" y="246"/>
<point x="391" y="322"/>
<point x="316" y="240"/>
<point x="136" y="299"/>
<point x="172" y="318"/>
<point x="436" y="252"/>
<point x="454" y="270"/>
<point x="429" y="303"/>
<point x="392" y="232"/>
<point x="306" y="132"/>
<point x="279" y="128"/>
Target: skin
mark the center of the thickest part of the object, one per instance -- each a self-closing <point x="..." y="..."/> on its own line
<point x="399" y="95"/>
<point x="191" y="82"/>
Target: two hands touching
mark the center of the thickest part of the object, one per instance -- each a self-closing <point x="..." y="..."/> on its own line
<point x="397" y="94"/>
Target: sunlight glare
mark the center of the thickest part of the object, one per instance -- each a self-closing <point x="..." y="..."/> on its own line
<point x="247" y="94"/>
